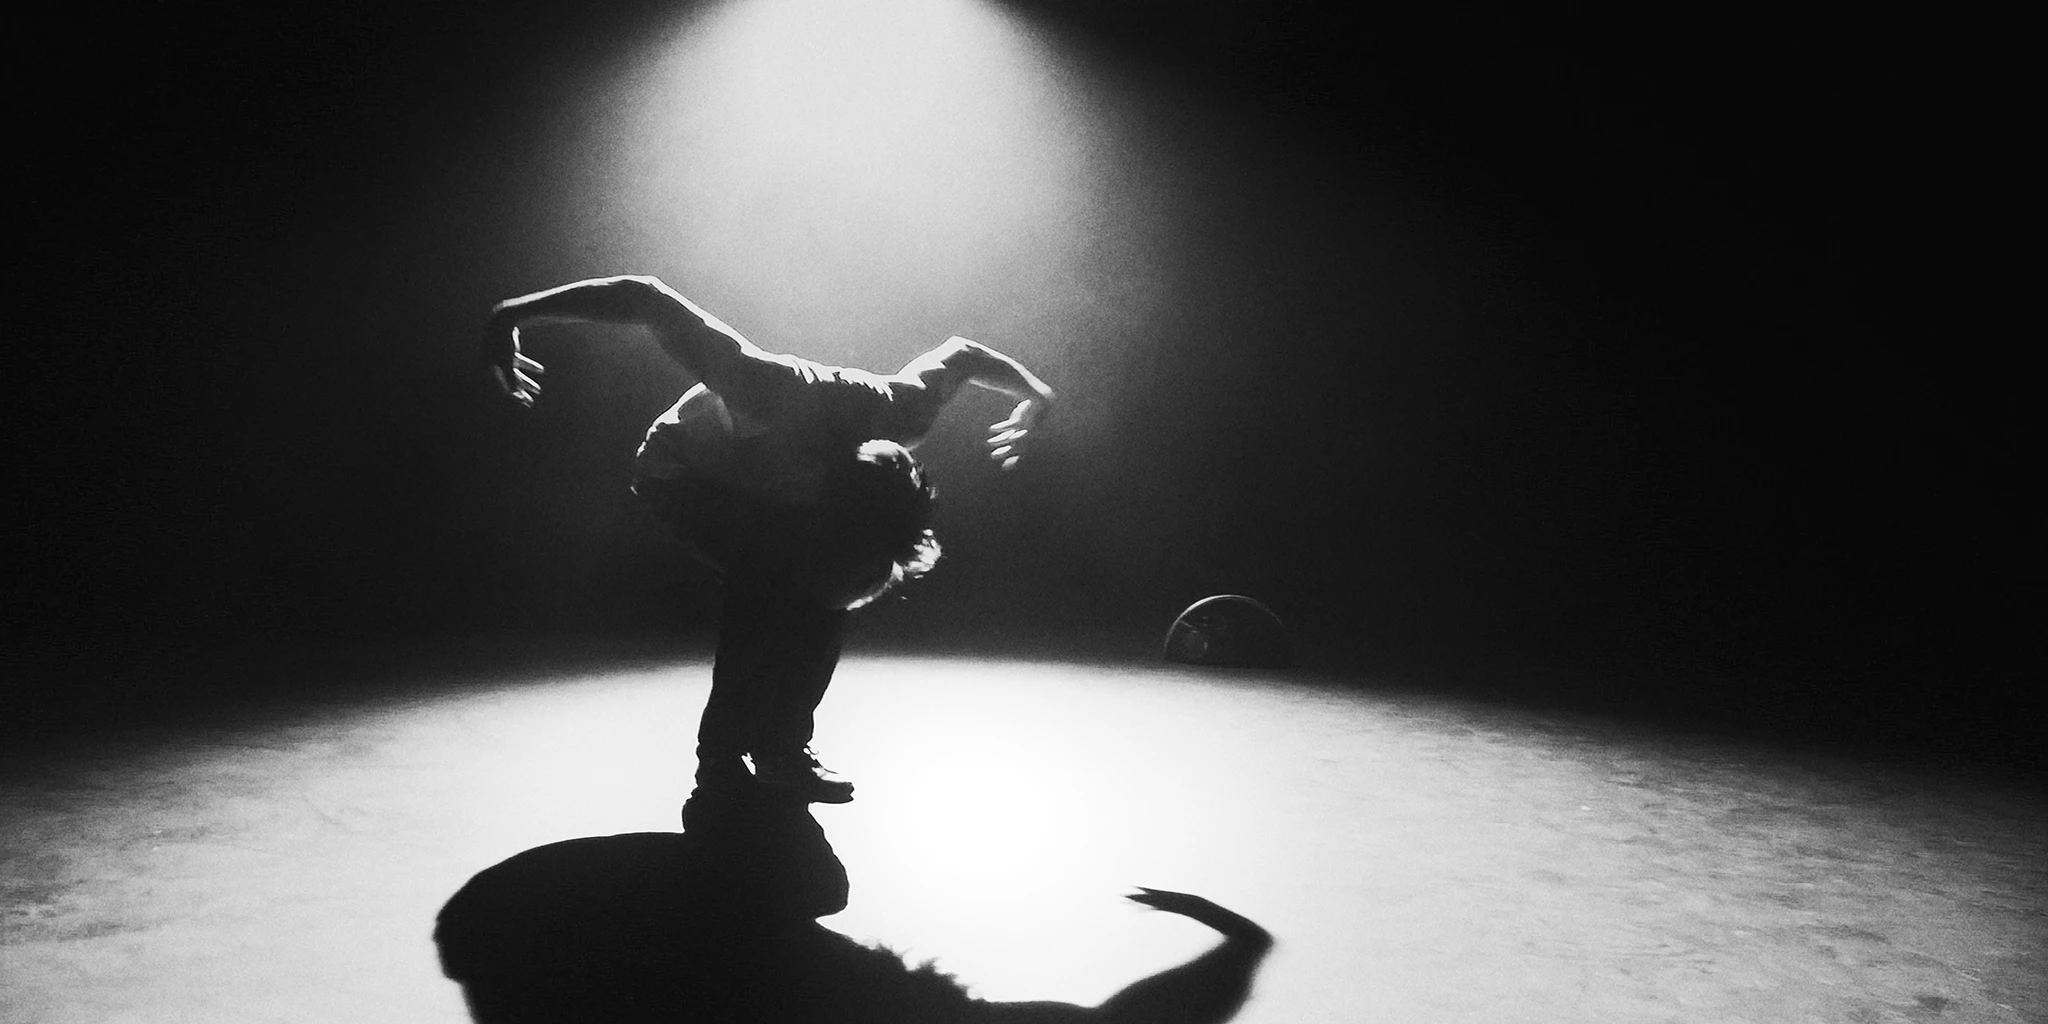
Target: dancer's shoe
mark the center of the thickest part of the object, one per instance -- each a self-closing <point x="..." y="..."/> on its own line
<point x="800" y="774"/>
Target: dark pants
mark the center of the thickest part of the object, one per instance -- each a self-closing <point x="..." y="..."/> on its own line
<point x="777" y="648"/>
<point x="777" y="643"/>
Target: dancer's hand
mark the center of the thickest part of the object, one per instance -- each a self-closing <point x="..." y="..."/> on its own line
<point x="1185" y="904"/>
<point x="1007" y="440"/>
<point x="517" y="375"/>
<point x="1231" y="923"/>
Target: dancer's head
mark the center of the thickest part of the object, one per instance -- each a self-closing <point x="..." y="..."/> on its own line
<point x="873" y="528"/>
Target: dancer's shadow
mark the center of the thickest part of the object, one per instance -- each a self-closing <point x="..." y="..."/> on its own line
<point x="719" y="923"/>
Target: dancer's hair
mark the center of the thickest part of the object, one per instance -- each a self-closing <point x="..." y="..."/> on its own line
<point x="873" y="527"/>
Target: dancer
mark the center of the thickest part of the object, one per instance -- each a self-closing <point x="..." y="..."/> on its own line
<point x="791" y="480"/>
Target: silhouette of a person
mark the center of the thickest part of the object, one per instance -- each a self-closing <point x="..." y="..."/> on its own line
<point x="794" y="482"/>
<point x="719" y="923"/>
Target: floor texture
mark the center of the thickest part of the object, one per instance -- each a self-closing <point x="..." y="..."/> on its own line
<point x="1419" y="860"/>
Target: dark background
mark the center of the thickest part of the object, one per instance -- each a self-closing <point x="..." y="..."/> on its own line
<point x="1675" y="394"/>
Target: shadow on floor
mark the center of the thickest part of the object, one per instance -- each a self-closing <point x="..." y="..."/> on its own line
<point x="718" y="923"/>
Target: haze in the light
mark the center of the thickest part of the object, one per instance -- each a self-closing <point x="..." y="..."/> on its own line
<point x="901" y="167"/>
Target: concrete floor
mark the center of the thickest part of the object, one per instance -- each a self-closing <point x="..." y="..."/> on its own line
<point x="1418" y="860"/>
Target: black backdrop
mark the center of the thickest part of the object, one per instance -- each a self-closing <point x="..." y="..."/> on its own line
<point x="1683" y="385"/>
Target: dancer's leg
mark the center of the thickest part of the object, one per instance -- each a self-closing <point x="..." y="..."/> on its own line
<point x="743" y="680"/>
<point x="809" y="636"/>
<point x="814" y="635"/>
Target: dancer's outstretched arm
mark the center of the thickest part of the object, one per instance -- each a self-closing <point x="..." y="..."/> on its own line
<point x="702" y="343"/>
<point x="928" y="382"/>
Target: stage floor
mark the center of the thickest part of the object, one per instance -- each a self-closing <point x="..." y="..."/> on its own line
<point x="1418" y="860"/>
